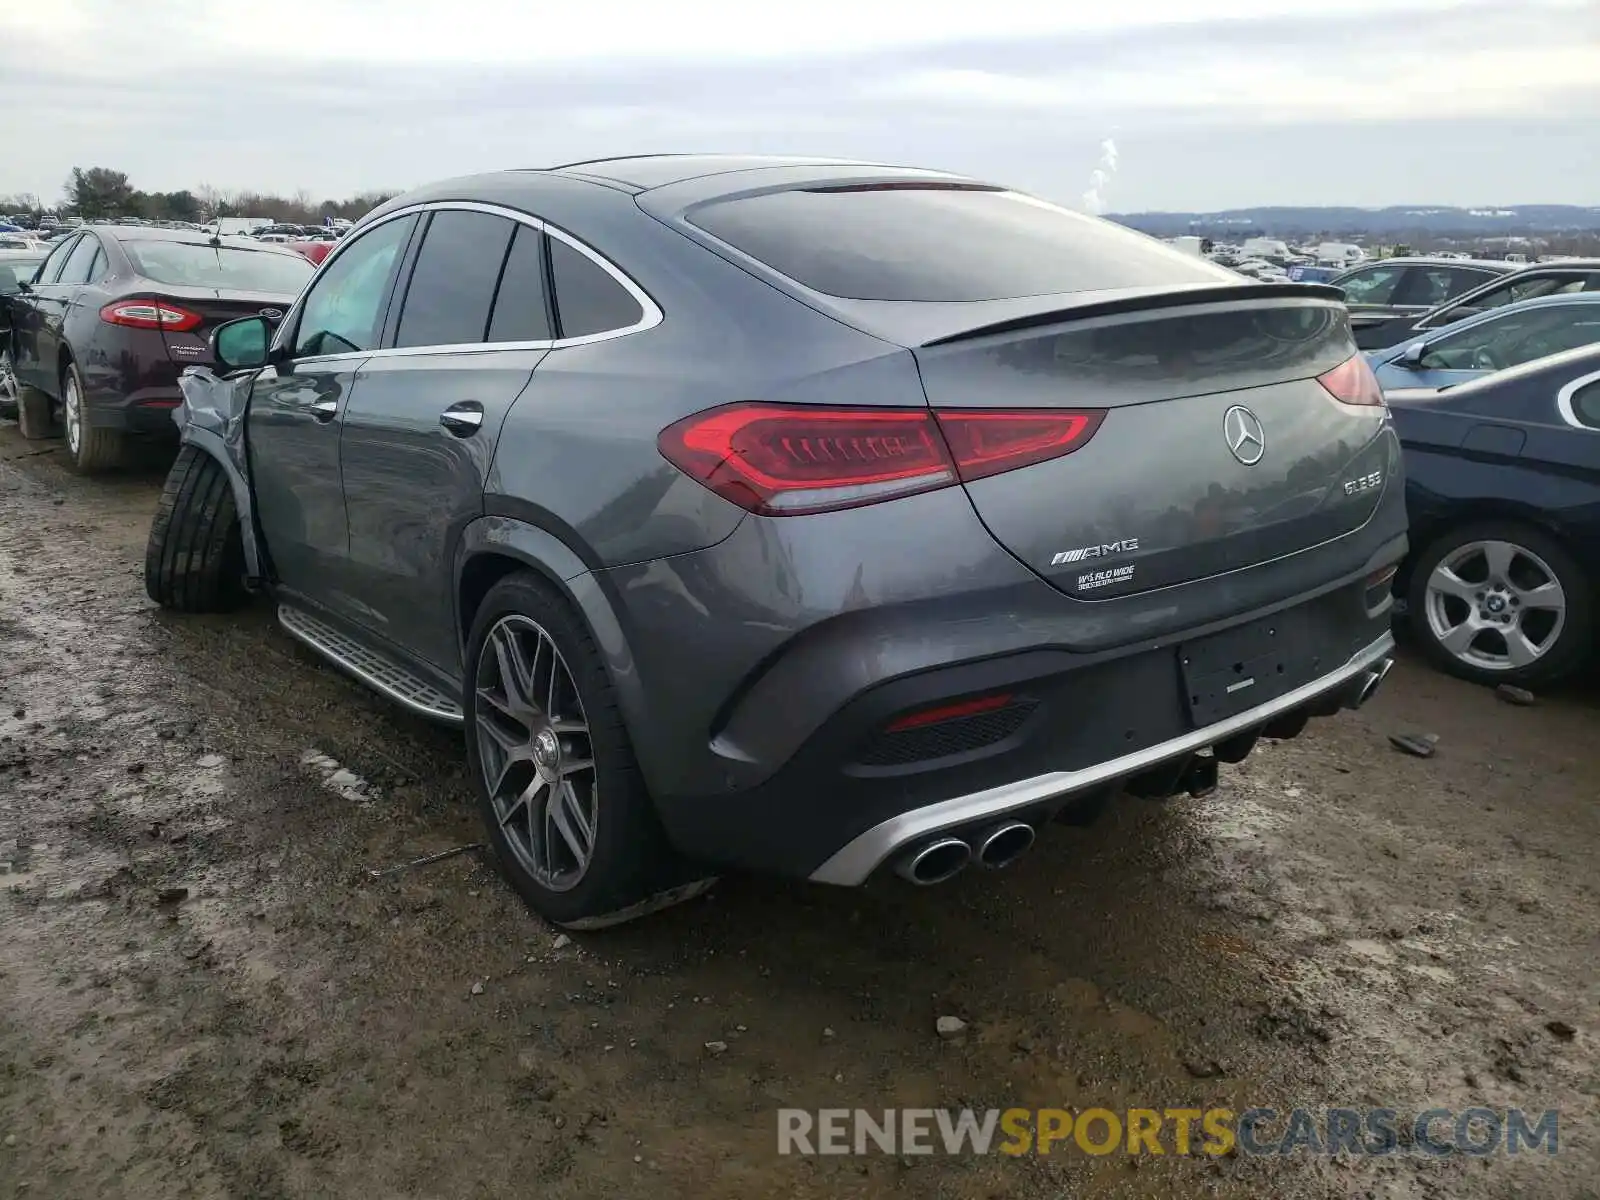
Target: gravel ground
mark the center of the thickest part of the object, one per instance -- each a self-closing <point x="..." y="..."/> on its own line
<point x="203" y="993"/>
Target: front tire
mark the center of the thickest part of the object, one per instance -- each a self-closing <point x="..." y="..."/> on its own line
<point x="89" y="450"/>
<point x="10" y="389"/>
<point x="1501" y="602"/>
<point x="194" y="561"/>
<point x="572" y="825"/>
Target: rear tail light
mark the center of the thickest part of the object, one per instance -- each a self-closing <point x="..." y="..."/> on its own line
<point x="151" y="314"/>
<point x="783" y="460"/>
<point x="1352" y="382"/>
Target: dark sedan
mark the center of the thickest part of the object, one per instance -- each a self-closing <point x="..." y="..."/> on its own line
<point x="15" y="267"/>
<point x="1503" y="491"/>
<point x="1510" y="287"/>
<point x="1394" y="292"/>
<point x="114" y="315"/>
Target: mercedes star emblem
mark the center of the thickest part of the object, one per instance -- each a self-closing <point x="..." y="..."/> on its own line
<point x="1246" y="440"/>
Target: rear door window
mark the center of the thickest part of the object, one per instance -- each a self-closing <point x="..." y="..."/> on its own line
<point x="589" y="299"/>
<point x="939" y="243"/>
<point x="1586" y="405"/>
<point x="83" y="256"/>
<point x="51" y="270"/>
<point x="1430" y="286"/>
<point x="452" y="286"/>
<point x="522" y="306"/>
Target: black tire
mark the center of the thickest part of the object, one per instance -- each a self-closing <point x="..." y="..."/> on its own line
<point x="1573" y="645"/>
<point x="97" y="449"/>
<point x="631" y="861"/>
<point x="194" y="561"/>
<point x="35" y="415"/>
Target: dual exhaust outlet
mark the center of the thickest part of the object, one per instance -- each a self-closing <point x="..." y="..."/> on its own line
<point x="945" y="857"/>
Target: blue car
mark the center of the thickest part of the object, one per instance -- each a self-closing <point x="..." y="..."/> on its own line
<point x="1489" y="342"/>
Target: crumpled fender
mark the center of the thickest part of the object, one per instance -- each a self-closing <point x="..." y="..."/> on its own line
<point x="211" y="419"/>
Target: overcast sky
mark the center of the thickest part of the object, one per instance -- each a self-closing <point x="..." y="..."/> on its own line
<point x="1211" y="103"/>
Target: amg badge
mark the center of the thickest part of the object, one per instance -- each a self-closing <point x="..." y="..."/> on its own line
<point x="1104" y="550"/>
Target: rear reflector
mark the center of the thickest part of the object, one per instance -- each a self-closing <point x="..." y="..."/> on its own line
<point x="1352" y="382"/>
<point x="948" y="712"/>
<point x="782" y="460"/>
<point x="151" y="314"/>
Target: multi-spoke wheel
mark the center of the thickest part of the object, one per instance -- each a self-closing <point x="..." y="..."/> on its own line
<point x="535" y="752"/>
<point x="1501" y="603"/>
<point x="9" y="389"/>
<point x="572" y="825"/>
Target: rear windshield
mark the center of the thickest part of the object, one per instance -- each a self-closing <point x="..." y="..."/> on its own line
<point x="196" y="264"/>
<point x="942" y="243"/>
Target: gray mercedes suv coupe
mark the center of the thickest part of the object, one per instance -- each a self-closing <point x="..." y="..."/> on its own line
<point x="795" y="515"/>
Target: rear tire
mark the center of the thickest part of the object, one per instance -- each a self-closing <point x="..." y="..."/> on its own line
<point x="626" y="865"/>
<point x="1536" y="558"/>
<point x="34" y="416"/>
<point x="9" y="388"/>
<point x="89" y="450"/>
<point x="194" y="561"/>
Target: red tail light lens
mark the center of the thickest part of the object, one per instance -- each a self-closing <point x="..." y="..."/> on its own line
<point x="986" y="442"/>
<point x="948" y="712"/>
<point x="151" y="314"/>
<point x="782" y="460"/>
<point x="1352" y="382"/>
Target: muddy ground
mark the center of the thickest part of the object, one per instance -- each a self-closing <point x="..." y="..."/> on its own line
<point x="1339" y="924"/>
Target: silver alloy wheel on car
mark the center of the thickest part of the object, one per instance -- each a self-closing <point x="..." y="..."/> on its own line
<point x="8" y="382"/>
<point x="72" y="411"/>
<point x="1495" y="605"/>
<point x="538" y="761"/>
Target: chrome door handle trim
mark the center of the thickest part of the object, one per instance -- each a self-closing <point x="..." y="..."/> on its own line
<point x="462" y="419"/>
<point x="325" y="410"/>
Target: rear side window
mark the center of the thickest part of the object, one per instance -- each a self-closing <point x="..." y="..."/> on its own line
<point x="521" y="311"/>
<point x="589" y="299"/>
<point x="452" y="286"/>
<point x="941" y="243"/>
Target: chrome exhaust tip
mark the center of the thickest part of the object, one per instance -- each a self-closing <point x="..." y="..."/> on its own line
<point x="1370" y="682"/>
<point x="1004" y="844"/>
<point x="935" y="861"/>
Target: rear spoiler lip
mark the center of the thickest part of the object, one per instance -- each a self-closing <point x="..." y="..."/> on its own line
<point x="1144" y="300"/>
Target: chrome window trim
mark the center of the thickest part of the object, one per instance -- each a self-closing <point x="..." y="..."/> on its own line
<point x="650" y="318"/>
<point x="1568" y="394"/>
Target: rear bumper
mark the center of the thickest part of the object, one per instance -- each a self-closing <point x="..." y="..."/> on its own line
<point x="852" y="863"/>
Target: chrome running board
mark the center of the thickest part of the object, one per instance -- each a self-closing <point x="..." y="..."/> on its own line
<point x="371" y="668"/>
<point x="858" y="858"/>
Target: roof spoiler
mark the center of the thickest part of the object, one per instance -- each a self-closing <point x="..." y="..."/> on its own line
<point x="1144" y="302"/>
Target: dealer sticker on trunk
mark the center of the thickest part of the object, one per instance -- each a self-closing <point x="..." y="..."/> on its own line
<point x="1099" y="579"/>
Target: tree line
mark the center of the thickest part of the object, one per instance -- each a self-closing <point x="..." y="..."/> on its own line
<point x="102" y="192"/>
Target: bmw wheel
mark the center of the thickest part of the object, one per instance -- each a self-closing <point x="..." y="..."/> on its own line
<point x="1501" y="602"/>
<point x="572" y="826"/>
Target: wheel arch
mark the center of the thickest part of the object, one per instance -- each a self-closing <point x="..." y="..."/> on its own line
<point x="211" y="445"/>
<point x="1468" y="512"/>
<point x="493" y="547"/>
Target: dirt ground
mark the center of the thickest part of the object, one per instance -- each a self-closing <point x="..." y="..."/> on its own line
<point x="1339" y="924"/>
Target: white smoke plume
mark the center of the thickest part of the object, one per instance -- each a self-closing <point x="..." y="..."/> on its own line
<point x="1094" y="200"/>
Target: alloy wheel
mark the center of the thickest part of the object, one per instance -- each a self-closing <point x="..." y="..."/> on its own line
<point x="9" y="392"/>
<point x="1495" y="605"/>
<point x="538" y="760"/>
<point x="72" y="412"/>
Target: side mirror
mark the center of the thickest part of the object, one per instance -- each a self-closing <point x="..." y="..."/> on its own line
<point x="242" y="344"/>
<point x="1411" y="356"/>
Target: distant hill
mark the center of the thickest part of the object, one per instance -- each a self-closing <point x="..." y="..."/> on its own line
<point x="1401" y="221"/>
